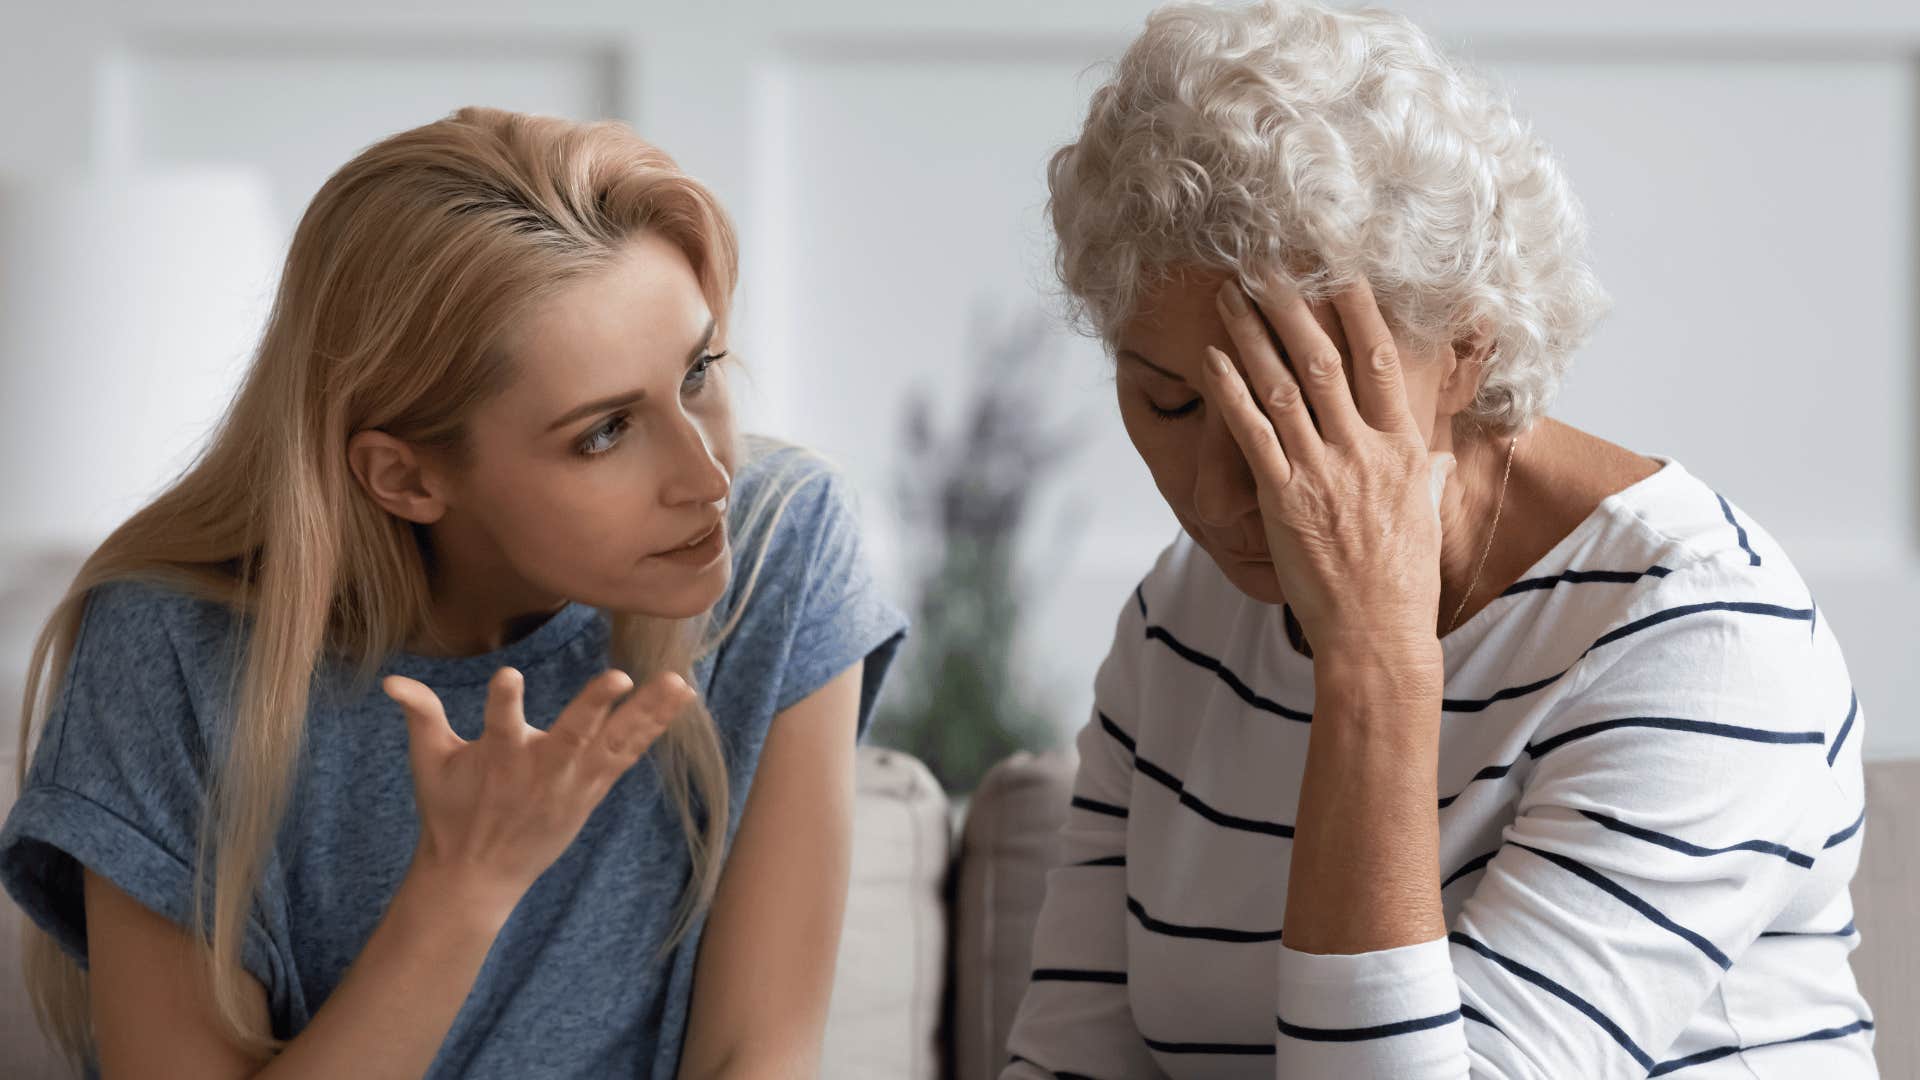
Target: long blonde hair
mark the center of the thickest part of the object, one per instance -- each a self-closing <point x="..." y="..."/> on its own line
<point x="403" y="275"/>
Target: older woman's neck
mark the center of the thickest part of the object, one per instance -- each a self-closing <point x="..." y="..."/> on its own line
<point x="1471" y="512"/>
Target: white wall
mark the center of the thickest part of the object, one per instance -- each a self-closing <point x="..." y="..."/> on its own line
<point x="1750" y="171"/>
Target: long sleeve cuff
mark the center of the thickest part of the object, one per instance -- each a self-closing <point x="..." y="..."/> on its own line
<point x="1394" y="1012"/>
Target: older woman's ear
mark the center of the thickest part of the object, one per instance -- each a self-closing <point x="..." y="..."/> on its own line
<point x="1467" y="369"/>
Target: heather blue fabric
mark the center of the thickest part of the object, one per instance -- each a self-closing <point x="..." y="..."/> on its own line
<point x="568" y="989"/>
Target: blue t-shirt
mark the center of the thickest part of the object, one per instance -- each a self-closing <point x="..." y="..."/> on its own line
<point x="570" y="987"/>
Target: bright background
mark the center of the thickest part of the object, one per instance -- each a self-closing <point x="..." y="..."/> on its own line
<point x="1749" y="169"/>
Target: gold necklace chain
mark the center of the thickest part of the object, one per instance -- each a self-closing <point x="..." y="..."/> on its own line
<point x="1512" y="445"/>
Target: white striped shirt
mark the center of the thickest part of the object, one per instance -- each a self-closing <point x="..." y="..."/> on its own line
<point x="1650" y="808"/>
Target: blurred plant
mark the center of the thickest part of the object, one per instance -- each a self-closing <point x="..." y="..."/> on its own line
<point x="966" y="499"/>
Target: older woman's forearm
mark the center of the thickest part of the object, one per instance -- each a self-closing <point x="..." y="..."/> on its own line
<point x="1365" y="862"/>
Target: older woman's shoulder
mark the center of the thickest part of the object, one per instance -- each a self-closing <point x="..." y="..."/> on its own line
<point x="1684" y="522"/>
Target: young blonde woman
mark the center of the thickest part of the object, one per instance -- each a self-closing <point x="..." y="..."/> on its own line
<point x="478" y="704"/>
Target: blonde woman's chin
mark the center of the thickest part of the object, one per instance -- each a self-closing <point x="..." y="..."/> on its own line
<point x="662" y="589"/>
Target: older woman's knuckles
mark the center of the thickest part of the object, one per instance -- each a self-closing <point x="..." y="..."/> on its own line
<point x="1382" y="361"/>
<point x="1323" y="365"/>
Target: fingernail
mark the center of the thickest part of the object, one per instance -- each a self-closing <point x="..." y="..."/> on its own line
<point x="1216" y="360"/>
<point x="1233" y="299"/>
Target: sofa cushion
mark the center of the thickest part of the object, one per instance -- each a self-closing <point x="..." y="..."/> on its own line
<point x="1009" y="844"/>
<point x="884" y="1018"/>
<point x="1886" y="897"/>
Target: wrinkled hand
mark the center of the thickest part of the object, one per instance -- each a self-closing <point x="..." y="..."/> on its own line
<point x="1349" y="492"/>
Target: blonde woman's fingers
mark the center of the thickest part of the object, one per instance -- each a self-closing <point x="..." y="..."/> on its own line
<point x="429" y="736"/>
<point x="506" y="697"/>
<point x="643" y="717"/>
<point x="582" y="720"/>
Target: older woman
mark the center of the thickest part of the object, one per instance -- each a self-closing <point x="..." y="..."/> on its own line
<point x="1538" y="749"/>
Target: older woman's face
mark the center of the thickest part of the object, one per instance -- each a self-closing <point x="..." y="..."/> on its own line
<point x="1194" y="460"/>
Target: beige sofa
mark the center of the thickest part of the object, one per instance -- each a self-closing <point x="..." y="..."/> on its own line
<point x="934" y="956"/>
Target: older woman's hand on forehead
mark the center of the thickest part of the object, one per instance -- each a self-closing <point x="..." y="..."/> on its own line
<point x="1348" y="489"/>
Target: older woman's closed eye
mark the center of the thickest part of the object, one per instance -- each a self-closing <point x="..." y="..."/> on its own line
<point x="1448" y="740"/>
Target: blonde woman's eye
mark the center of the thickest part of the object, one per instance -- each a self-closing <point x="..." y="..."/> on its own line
<point x="605" y="437"/>
<point x="697" y="374"/>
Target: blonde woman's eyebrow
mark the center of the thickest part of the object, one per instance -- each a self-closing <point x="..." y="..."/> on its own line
<point x="1129" y="354"/>
<point x="631" y="397"/>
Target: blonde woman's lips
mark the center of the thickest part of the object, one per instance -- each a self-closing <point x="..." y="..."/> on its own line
<point x="699" y="553"/>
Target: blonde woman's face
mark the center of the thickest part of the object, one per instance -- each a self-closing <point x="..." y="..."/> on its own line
<point x="1194" y="461"/>
<point x="602" y="473"/>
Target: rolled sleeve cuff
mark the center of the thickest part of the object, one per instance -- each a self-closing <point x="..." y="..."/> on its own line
<point x="52" y="832"/>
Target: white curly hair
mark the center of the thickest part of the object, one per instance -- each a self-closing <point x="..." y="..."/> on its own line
<point x="1316" y="145"/>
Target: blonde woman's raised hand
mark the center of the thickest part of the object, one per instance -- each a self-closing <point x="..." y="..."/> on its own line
<point x="496" y="811"/>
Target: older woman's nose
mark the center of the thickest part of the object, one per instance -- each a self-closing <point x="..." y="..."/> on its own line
<point x="1223" y="488"/>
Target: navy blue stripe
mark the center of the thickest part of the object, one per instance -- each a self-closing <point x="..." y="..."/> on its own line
<point x="1234" y="683"/>
<point x="1845" y="834"/>
<point x="1208" y="933"/>
<point x="1561" y="992"/>
<point x="1218" y="817"/>
<point x="1766" y="847"/>
<point x="1853" y="710"/>
<point x="1113" y="729"/>
<point x="1083" y="803"/>
<point x="1477" y="704"/>
<point x="1719" y="1052"/>
<point x="1665" y="723"/>
<point x="1296" y="634"/>
<point x="1367" y="1034"/>
<point x="1105" y="860"/>
<point x="1577" y="577"/>
<point x="1674" y="723"/>
<point x="1140" y="598"/>
<point x="1846" y="931"/>
<point x="1468" y="1012"/>
<point x="1629" y="898"/>
<point x="1016" y="1059"/>
<point x="1744" y="607"/>
<point x="1471" y="865"/>
<point x="1118" y="978"/>
<point x="1752" y="555"/>
<point x="1187" y="799"/>
<point x="1491" y="772"/>
<point x="1244" y="1049"/>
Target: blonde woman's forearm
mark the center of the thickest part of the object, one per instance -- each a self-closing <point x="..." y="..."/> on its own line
<point x="392" y="1010"/>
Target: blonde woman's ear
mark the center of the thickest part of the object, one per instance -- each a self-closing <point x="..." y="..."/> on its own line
<point x="395" y="477"/>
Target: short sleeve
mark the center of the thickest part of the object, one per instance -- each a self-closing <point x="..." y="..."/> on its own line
<point x="117" y="783"/>
<point x="812" y="607"/>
